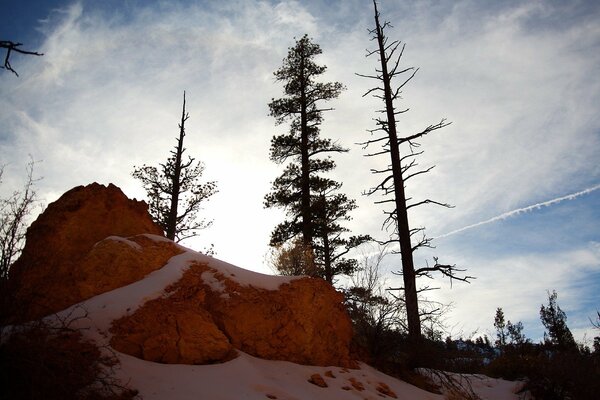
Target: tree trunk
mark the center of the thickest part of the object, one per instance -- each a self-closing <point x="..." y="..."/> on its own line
<point x="172" y="219"/>
<point x="307" y="234"/>
<point x="327" y="261"/>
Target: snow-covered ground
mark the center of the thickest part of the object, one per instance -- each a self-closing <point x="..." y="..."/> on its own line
<point x="244" y="377"/>
<point x="248" y="377"/>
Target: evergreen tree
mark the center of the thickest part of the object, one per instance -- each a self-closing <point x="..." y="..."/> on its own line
<point x="174" y="190"/>
<point x="555" y="321"/>
<point x="312" y="202"/>
<point x="515" y="332"/>
<point x="330" y="244"/>
<point x="500" y="325"/>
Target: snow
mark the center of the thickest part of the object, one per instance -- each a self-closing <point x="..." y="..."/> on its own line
<point x="495" y="389"/>
<point x="248" y="377"/>
<point x="239" y="275"/>
<point x="245" y="377"/>
<point x="245" y="277"/>
<point x="97" y="313"/>
<point x="122" y="240"/>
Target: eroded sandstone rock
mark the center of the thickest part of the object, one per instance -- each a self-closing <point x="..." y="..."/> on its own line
<point x="174" y="330"/>
<point x="56" y="268"/>
<point x="303" y="321"/>
<point x="93" y="240"/>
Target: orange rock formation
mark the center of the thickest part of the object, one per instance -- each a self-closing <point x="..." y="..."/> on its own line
<point x="60" y="266"/>
<point x="303" y="322"/>
<point x="92" y="240"/>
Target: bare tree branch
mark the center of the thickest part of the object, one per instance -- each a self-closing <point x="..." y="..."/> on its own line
<point x="10" y="47"/>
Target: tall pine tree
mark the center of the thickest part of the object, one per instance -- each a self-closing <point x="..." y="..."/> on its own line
<point x="301" y="189"/>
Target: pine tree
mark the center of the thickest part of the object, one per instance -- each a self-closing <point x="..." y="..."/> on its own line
<point x="312" y="202"/>
<point x="500" y="325"/>
<point x="330" y="208"/>
<point x="555" y="321"/>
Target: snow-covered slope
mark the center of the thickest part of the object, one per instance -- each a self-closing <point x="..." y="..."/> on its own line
<point x="244" y="377"/>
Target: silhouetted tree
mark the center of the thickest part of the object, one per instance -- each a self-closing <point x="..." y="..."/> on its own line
<point x="508" y="333"/>
<point x="596" y="323"/>
<point x="14" y="210"/>
<point x="400" y="169"/>
<point x="330" y="208"/>
<point x="174" y="191"/>
<point x="555" y="321"/>
<point x="308" y="198"/>
<point x="515" y="332"/>
<point x="10" y="47"/>
<point x="500" y="325"/>
<point x="326" y="258"/>
<point x="377" y="317"/>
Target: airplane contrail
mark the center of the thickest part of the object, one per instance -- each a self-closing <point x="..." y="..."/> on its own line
<point x="522" y="210"/>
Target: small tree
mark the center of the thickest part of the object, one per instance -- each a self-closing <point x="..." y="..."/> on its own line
<point x="555" y="321"/>
<point x="377" y="317"/>
<point x="14" y="211"/>
<point x="330" y="208"/>
<point x="500" y="325"/>
<point x="293" y="259"/>
<point x="10" y="47"/>
<point x="515" y="332"/>
<point x="596" y="325"/>
<point x="174" y="190"/>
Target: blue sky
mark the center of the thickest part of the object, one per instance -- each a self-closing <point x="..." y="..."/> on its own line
<point x="518" y="80"/>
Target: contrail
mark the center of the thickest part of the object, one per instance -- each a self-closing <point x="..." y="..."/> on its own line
<point x="523" y="210"/>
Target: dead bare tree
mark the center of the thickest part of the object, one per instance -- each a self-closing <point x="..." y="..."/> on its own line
<point x="14" y="212"/>
<point x="596" y="323"/>
<point x="175" y="192"/>
<point x="400" y="170"/>
<point x="10" y="47"/>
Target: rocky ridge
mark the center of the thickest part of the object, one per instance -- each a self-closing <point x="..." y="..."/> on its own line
<point x="94" y="240"/>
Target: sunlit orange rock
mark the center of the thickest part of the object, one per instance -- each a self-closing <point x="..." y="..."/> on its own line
<point x="317" y="380"/>
<point x="175" y="329"/>
<point x="59" y="265"/>
<point x="93" y="240"/>
<point x="303" y="321"/>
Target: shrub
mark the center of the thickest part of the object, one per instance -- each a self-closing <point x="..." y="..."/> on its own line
<point x="43" y="362"/>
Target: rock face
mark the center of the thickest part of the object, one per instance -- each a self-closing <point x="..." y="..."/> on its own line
<point x="303" y="322"/>
<point x="60" y="266"/>
<point x="93" y="240"/>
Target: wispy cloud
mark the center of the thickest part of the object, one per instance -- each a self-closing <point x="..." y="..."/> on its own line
<point x="522" y="210"/>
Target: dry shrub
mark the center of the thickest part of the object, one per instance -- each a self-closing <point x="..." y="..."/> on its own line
<point x="551" y="374"/>
<point x="44" y="362"/>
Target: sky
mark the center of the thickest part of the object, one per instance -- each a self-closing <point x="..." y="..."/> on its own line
<point x="519" y="82"/>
